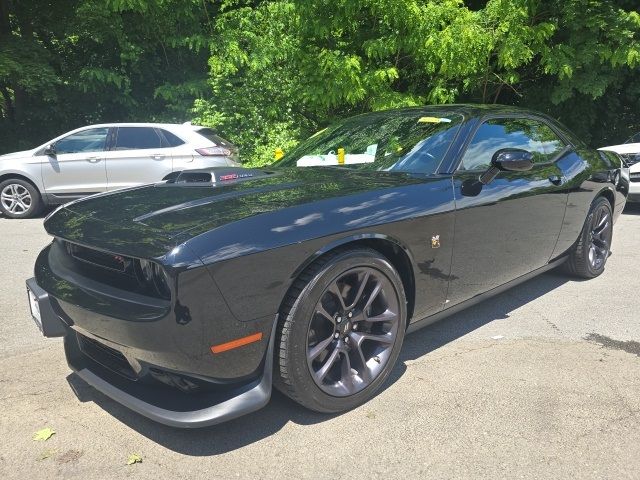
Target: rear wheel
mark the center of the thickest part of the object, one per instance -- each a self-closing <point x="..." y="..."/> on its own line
<point x="590" y="253"/>
<point x="19" y="199"/>
<point x="342" y="329"/>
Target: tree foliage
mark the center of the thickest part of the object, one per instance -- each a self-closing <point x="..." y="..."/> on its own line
<point x="268" y="72"/>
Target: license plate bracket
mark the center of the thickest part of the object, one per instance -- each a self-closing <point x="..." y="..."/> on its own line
<point x="34" y="307"/>
<point x="42" y="311"/>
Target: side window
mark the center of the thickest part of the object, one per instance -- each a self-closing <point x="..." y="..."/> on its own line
<point x="137" y="138"/>
<point x="172" y="140"/>
<point x="91" y="140"/>
<point x="531" y="135"/>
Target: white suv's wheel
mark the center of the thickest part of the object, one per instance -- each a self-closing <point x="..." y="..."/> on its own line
<point x="19" y="199"/>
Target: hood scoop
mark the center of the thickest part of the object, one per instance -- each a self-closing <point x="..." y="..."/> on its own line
<point x="217" y="175"/>
<point x="213" y="178"/>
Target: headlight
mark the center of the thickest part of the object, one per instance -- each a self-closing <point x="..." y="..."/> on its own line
<point x="154" y="278"/>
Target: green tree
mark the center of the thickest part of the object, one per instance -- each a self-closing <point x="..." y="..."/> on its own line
<point x="68" y="63"/>
<point x="285" y="68"/>
<point x="267" y="73"/>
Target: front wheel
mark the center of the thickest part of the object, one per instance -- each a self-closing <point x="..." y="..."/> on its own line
<point x="343" y="325"/>
<point x="19" y="199"/>
<point x="591" y="251"/>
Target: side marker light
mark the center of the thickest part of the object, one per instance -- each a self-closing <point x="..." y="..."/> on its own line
<point x="239" y="342"/>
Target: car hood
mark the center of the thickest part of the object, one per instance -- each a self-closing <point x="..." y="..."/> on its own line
<point x="150" y="220"/>
<point x="22" y="154"/>
<point x="625" y="148"/>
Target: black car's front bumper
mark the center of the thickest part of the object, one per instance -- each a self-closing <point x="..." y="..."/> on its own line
<point x="168" y="405"/>
<point x="158" y="402"/>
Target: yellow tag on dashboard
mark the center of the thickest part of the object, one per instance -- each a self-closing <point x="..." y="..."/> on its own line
<point x="341" y="156"/>
<point x="433" y="120"/>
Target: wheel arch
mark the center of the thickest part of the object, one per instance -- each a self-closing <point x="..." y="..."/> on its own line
<point x="20" y="176"/>
<point x="609" y="195"/>
<point x="392" y="249"/>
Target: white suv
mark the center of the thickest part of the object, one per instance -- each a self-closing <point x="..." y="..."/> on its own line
<point x="630" y="153"/>
<point x="99" y="158"/>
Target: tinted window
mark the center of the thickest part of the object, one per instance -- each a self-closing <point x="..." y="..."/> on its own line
<point x="172" y="140"/>
<point x="634" y="139"/>
<point x="91" y="140"/>
<point x="389" y="141"/>
<point x="531" y="135"/>
<point x="212" y="136"/>
<point x="611" y="159"/>
<point x="136" y="138"/>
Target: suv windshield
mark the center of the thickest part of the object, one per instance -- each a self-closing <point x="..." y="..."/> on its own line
<point x="402" y="141"/>
<point x="634" y="139"/>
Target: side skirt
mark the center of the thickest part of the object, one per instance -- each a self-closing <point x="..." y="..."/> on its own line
<point x="51" y="199"/>
<point x="417" y="325"/>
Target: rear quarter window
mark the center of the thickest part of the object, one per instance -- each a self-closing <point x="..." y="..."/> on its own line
<point x="172" y="140"/>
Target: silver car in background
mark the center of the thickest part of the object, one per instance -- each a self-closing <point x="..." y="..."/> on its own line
<point x="99" y="158"/>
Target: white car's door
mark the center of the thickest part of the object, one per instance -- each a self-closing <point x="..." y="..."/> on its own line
<point x="138" y="156"/>
<point x="182" y="152"/>
<point x="78" y="166"/>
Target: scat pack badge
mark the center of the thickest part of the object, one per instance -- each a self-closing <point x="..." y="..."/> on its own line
<point x="435" y="241"/>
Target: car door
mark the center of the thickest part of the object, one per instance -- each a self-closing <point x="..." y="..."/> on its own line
<point x="138" y="155"/>
<point x="181" y="151"/>
<point x="508" y="227"/>
<point x="77" y="167"/>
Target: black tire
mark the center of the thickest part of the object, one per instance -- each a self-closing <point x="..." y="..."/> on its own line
<point x="361" y="353"/>
<point x="589" y="254"/>
<point x="19" y="199"/>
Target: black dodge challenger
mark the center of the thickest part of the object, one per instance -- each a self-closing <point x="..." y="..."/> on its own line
<point x="188" y="299"/>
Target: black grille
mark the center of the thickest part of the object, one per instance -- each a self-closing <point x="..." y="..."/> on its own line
<point x="635" y="177"/>
<point x="109" y="261"/>
<point x="106" y="356"/>
<point x="119" y="271"/>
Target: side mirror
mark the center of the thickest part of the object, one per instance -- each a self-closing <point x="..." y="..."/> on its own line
<point x="50" y="150"/>
<point x="512" y="160"/>
<point x="508" y="160"/>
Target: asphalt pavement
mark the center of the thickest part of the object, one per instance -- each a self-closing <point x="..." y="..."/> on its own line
<point x="542" y="381"/>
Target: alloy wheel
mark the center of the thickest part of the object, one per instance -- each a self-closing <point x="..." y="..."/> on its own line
<point x="16" y="198"/>
<point x="600" y="237"/>
<point x="354" y="327"/>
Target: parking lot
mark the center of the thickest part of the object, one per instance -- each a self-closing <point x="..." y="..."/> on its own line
<point x="542" y="381"/>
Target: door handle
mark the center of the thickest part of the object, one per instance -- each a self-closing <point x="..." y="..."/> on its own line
<point x="157" y="156"/>
<point x="93" y="159"/>
<point x="555" y="179"/>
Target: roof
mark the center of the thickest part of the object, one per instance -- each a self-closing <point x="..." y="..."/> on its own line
<point x="145" y="124"/>
<point x="473" y="109"/>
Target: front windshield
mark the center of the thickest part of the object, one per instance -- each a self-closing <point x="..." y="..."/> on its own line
<point x="400" y="141"/>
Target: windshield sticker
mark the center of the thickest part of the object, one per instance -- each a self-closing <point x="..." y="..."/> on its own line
<point x="341" y="158"/>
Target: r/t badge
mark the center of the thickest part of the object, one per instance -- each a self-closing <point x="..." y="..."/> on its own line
<point x="435" y="241"/>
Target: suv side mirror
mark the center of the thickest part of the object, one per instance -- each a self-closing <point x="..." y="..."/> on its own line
<point x="50" y="150"/>
<point x="512" y="160"/>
